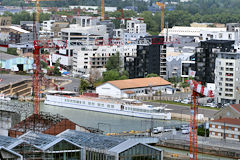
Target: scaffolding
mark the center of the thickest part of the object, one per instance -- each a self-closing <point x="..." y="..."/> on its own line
<point x="43" y="123"/>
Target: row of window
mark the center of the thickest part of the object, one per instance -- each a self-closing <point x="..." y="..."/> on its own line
<point x="89" y="103"/>
<point x="228" y="128"/>
<point x="227" y="135"/>
<point x="110" y="106"/>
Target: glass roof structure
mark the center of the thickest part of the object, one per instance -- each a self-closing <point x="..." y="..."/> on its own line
<point x="91" y="140"/>
<point x="9" y="142"/>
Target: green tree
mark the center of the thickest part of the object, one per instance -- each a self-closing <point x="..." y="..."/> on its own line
<point x="114" y="62"/>
<point x="84" y="84"/>
<point x="12" y="51"/>
<point x="152" y="75"/>
<point x="110" y="75"/>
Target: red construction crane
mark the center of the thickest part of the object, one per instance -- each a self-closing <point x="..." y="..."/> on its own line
<point x="36" y="78"/>
<point x="197" y="90"/>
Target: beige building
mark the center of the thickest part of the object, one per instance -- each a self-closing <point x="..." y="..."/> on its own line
<point x="5" y="21"/>
<point x="225" y="128"/>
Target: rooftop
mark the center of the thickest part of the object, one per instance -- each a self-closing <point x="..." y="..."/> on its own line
<point x="41" y="141"/>
<point x="91" y="140"/>
<point x="236" y="107"/>
<point x="228" y="121"/>
<point x="5" y="56"/>
<point x="139" y="82"/>
<point x="9" y="142"/>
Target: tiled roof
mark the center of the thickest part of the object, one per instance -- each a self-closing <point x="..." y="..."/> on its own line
<point x="236" y="107"/>
<point x="228" y="121"/>
<point x="139" y="82"/>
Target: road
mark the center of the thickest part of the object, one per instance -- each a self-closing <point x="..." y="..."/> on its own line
<point x="185" y="109"/>
<point x="214" y="142"/>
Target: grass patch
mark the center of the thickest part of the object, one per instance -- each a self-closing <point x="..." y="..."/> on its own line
<point x="181" y="104"/>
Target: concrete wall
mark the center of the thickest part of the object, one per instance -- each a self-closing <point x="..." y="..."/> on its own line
<point x="7" y="120"/>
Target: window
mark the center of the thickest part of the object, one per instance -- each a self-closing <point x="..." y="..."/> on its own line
<point x="235" y="129"/>
<point x="213" y="126"/>
<point x="219" y="134"/>
<point x="219" y="127"/>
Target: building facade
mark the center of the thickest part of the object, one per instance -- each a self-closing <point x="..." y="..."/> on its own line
<point x="95" y="57"/>
<point x="205" y="58"/>
<point x="225" y="128"/>
<point x="150" y="58"/>
<point x="132" y="87"/>
<point x="227" y="78"/>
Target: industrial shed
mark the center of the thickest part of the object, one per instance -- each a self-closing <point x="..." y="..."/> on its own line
<point x="15" y="63"/>
<point x="103" y="147"/>
<point x="132" y="87"/>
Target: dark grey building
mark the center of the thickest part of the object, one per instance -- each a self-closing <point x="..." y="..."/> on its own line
<point x="205" y="57"/>
<point x="150" y="58"/>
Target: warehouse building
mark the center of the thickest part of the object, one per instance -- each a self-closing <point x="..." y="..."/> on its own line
<point x="111" y="148"/>
<point x="15" y="63"/>
<point x="72" y="144"/>
<point x="132" y="87"/>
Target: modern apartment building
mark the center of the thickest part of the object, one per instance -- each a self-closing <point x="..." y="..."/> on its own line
<point x="150" y="58"/>
<point x="227" y="77"/>
<point x="95" y="57"/>
<point x="136" y="26"/>
<point x="76" y="37"/>
<point x="225" y="128"/>
<point x="205" y="57"/>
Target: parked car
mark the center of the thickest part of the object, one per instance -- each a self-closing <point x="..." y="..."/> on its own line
<point x="210" y="105"/>
<point x="158" y="130"/>
<point x="177" y="100"/>
<point x="186" y="101"/>
<point x="185" y="131"/>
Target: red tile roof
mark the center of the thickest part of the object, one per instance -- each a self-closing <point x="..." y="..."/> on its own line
<point x="236" y="107"/>
<point x="228" y="121"/>
<point x="139" y="82"/>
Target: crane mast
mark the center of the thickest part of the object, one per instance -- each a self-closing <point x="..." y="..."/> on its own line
<point x="162" y="6"/>
<point x="197" y="90"/>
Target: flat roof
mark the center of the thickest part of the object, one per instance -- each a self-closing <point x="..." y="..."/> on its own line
<point x="5" y="56"/>
<point x="139" y="83"/>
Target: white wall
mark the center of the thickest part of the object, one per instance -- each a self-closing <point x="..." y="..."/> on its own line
<point x="64" y="60"/>
<point x="108" y="90"/>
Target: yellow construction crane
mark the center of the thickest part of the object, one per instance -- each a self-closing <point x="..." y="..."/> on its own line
<point x="162" y="6"/>
<point x="37" y="7"/>
<point x="102" y="10"/>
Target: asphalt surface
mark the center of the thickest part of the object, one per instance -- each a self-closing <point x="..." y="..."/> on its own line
<point x="184" y="109"/>
<point x="6" y="79"/>
<point x="214" y="142"/>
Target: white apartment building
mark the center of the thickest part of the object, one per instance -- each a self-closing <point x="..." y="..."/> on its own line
<point x="136" y="26"/>
<point x="86" y="21"/>
<point x="183" y="31"/>
<point x="225" y="128"/>
<point x="47" y="28"/>
<point x="209" y="35"/>
<point x="227" y="78"/>
<point x="89" y="57"/>
<point x="77" y="36"/>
